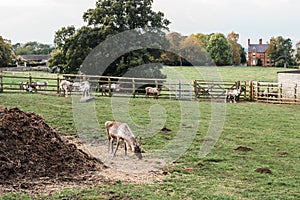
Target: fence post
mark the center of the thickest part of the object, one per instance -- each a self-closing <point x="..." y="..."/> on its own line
<point x="58" y="81"/>
<point x="280" y="91"/>
<point x="109" y="88"/>
<point x="1" y="83"/>
<point x="179" y="87"/>
<point x="245" y="92"/>
<point x="191" y="91"/>
<point x="295" y="92"/>
<point x="195" y="89"/>
<point x="256" y="90"/>
<point x="133" y="88"/>
<point x="30" y="79"/>
<point x="251" y="90"/>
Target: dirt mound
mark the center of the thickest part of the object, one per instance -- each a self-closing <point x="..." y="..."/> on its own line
<point x="30" y="149"/>
<point x="165" y="129"/>
<point x="242" y="148"/>
<point x="263" y="170"/>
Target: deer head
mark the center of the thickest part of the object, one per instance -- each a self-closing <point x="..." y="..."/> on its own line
<point x="137" y="149"/>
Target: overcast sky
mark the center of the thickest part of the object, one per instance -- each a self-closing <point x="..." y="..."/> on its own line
<point x="37" y="20"/>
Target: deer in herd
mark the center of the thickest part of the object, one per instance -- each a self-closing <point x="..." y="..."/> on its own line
<point x="121" y="132"/>
<point x="233" y="95"/>
<point x="153" y="91"/>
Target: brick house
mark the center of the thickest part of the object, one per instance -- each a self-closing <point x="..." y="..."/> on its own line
<point x="257" y="54"/>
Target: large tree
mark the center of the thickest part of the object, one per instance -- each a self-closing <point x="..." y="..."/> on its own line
<point x="109" y="18"/>
<point x="236" y="48"/>
<point x="298" y="53"/>
<point x="219" y="49"/>
<point x="280" y="51"/>
<point x="6" y="53"/>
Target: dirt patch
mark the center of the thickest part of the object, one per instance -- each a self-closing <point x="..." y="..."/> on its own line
<point x="263" y="170"/>
<point x="165" y="129"/>
<point x="35" y="158"/>
<point x="242" y="148"/>
<point x="282" y="153"/>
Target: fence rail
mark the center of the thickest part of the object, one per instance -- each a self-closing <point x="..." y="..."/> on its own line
<point x="273" y="92"/>
<point x="201" y="90"/>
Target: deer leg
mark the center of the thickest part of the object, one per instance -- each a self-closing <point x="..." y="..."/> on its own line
<point x="234" y="99"/>
<point x="125" y="146"/>
<point x="111" y="145"/>
<point x="118" y="143"/>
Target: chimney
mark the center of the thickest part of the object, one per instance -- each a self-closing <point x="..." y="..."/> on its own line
<point x="260" y="41"/>
<point x="248" y="42"/>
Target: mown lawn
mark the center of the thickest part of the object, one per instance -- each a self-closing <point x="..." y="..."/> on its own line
<point x="271" y="131"/>
<point x="227" y="73"/>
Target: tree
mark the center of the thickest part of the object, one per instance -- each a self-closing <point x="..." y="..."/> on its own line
<point x="32" y="47"/>
<point x="235" y="47"/>
<point x="203" y="38"/>
<point x="298" y="52"/>
<point x="109" y="18"/>
<point x="280" y="51"/>
<point x="219" y="49"/>
<point x="243" y="55"/>
<point x="172" y="57"/>
<point x="192" y="50"/>
<point x="185" y="50"/>
<point x="6" y="53"/>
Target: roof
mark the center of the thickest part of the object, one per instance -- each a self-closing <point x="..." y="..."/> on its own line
<point x="290" y="72"/>
<point x="36" y="57"/>
<point x="261" y="48"/>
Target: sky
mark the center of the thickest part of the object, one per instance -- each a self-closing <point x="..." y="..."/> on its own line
<point x="38" y="20"/>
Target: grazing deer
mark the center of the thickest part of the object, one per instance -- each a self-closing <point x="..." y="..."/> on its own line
<point x="121" y="131"/>
<point x="66" y="87"/>
<point x="153" y="91"/>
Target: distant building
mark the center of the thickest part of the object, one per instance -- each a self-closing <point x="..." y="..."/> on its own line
<point x="34" y="59"/>
<point x="257" y="54"/>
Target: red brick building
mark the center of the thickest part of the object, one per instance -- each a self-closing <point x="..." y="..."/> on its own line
<point x="257" y="54"/>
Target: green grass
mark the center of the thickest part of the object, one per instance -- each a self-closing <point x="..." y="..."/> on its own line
<point x="223" y="174"/>
<point x="228" y="73"/>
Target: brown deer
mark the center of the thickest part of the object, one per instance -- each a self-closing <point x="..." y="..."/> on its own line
<point x="120" y="131"/>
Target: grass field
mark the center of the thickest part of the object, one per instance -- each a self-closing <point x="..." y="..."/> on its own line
<point x="272" y="131"/>
<point x="228" y="73"/>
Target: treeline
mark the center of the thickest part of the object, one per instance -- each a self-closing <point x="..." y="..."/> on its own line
<point x="204" y="49"/>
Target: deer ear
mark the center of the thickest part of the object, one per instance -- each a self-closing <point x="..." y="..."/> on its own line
<point x="140" y="142"/>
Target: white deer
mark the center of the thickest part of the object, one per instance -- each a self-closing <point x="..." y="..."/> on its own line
<point x="120" y="131"/>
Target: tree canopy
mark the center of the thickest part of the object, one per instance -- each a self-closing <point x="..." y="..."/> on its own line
<point x="219" y="49"/>
<point x="280" y="51"/>
<point x="32" y="47"/>
<point x="6" y="53"/>
<point x="108" y="18"/>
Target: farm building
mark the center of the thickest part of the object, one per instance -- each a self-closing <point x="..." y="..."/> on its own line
<point x="257" y="54"/>
<point x="39" y="59"/>
<point x="290" y="82"/>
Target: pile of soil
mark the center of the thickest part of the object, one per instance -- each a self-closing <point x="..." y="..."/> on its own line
<point x="31" y="150"/>
<point x="242" y="148"/>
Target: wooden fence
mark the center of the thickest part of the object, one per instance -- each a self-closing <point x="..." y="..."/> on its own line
<point x="273" y="92"/>
<point x="130" y="87"/>
<point x="12" y="83"/>
<point x="201" y="90"/>
<point x="216" y="89"/>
